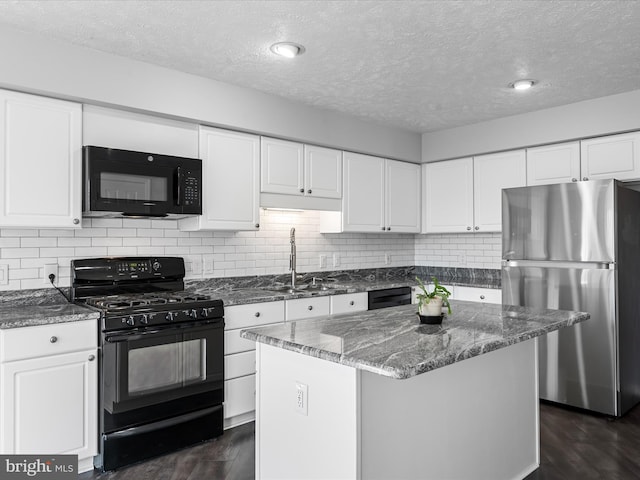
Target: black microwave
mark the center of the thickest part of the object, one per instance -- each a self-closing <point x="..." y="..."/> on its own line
<point x="137" y="184"/>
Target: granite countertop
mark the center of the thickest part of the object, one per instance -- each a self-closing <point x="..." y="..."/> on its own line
<point x="16" y="316"/>
<point x="393" y="343"/>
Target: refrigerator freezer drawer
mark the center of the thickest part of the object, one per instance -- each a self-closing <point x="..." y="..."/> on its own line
<point x="578" y="365"/>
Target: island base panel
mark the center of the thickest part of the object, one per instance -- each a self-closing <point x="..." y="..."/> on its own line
<point x="476" y="419"/>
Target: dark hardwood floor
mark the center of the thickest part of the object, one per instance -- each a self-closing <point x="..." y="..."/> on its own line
<point x="229" y="457"/>
<point x="574" y="445"/>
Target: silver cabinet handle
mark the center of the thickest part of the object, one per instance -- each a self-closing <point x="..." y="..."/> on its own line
<point x="476" y="228"/>
<point x="388" y="229"/>
<point x="468" y="228"/>
<point x="585" y="178"/>
<point x="384" y="228"/>
<point x="302" y="190"/>
<point x="352" y="302"/>
<point x="309" y="191"/>
<point x="574" y="179"/>
<point x="53" y="339"/>
<point x="310" y="307"/>
<point x="257" y="314"/>
<point x="92" y="358"/>
<point x="76" y="221"/>
<point x="257" y="225"/>
<point x="481" y="297"/>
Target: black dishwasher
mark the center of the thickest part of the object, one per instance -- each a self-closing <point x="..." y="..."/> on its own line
<point x="389" y="297"/>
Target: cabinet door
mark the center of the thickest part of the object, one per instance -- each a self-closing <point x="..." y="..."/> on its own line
<point x="50" y="405"/>
<point x="448" y="197"/>
<point x="492" y="173"/>
<point x="363" y="196"/>
<point x="553" y="164"/>
<point x="230" y="171"/>
<point x="282" y="167"/>
<point x="40" y="161"/>
<point x="402" y="197"/>
<point x="614" y="156"/>
<point x="322" y="172"/>
<point x="239" y="396"/>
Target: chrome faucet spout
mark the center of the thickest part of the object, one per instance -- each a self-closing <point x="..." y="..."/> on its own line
<point x="292" y="257"/>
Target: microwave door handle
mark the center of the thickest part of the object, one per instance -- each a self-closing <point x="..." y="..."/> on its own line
<point x="179" y="195"/>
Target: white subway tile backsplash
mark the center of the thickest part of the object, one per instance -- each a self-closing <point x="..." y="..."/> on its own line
<point x="220" y="254"/>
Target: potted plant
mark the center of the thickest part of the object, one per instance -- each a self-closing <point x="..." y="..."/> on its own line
<point x="430" y="303"/>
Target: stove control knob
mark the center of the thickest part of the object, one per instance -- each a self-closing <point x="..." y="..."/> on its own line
<point x="156" y="265"/>
<point x="169" y="316"/>
<point x="193" y="313"/>
<point x="144" y="319"/>
<point x="203" y="312"/>
<point x="131" y="321"/>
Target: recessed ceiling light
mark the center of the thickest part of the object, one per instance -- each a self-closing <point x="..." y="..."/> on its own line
<point x="287" y="49"/>
<point x="522" y="84"/>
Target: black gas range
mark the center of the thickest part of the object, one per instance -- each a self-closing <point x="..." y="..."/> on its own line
<point x="162" y="356"/>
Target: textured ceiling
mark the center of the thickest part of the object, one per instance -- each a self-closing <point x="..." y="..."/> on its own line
<point x="417" y="65"/>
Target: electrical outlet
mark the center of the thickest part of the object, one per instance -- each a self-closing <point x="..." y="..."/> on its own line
<point x="302" y="398"/>
<point x="323" y="261"/>
<point x="387" y="259"/>
<point x="336" y="260"/>
<point x="51" y="268"/>
<point x="462" y="259"/>
<point x="208" y="264"/>
<point x="4" y="274"/>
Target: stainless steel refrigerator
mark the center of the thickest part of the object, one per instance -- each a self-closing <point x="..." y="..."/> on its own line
<point x="576" y="246"/>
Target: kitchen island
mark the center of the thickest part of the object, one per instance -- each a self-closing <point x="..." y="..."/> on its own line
<point x="377" y="395"/>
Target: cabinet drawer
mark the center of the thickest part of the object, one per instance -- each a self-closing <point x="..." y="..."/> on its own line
<point x="239" y="396"/>
<point x="475" y="294"/>
<point x="307" y="308"/>
<point x="254" y="314"/>
<point x="41" y="340"/>
<point x="351" y="302"/>
<point x="234" y="344"/>
<point x="239" y="365"/>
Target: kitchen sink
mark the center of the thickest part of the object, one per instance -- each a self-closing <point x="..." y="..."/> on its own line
<point x="300" y="288"/>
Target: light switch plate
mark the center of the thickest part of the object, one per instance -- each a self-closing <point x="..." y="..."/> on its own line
<point x="4" y="274"/>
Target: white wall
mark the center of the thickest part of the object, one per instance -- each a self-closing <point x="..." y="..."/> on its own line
<point x="40" y="65"/>
<point x="600" y="116"/>
<point x="222" y="254"/>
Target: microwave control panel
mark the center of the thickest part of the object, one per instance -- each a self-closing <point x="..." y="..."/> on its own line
<point x="191" y="191"/>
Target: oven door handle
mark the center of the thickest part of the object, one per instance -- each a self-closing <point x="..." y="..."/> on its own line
<point x="125" y="337"/>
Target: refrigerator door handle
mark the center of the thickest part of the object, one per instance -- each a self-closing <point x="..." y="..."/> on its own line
<point x="556" y="264"/>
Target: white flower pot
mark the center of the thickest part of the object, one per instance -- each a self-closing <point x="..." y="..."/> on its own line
<point x="433" y="308"/>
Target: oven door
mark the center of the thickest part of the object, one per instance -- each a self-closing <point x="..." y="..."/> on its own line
<point x="147" y="368"/>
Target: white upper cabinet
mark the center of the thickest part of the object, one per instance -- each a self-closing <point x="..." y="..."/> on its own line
<point x="614" y="156"/>
<point x="402" y="196"/>
<point x="291" y="168"/>
<point x="557" y="163"/>
<point x="465" y="195"/>
<point x="322" y="172"/>
<point x="282" y="166"/>
<point x="230" y="173"/>
<point x="40" y="161"/>
<point x="363" y="198"/>
<point x="380" y="195"/>
<point x="492" y="173"/>
<point x="448" y="196"/>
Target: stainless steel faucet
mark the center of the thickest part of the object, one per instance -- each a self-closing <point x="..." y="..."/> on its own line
<point x="292" y="257"/>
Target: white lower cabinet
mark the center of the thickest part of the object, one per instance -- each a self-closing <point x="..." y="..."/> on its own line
<point x="240" y="358"/>
<point x="349" y="303"/>
<point x="476" y="294"/>
<point x="49" y="384"/>
<point x="301" y="308"/>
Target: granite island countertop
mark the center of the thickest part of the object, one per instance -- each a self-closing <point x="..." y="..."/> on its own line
<point x="392" y="342"/>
